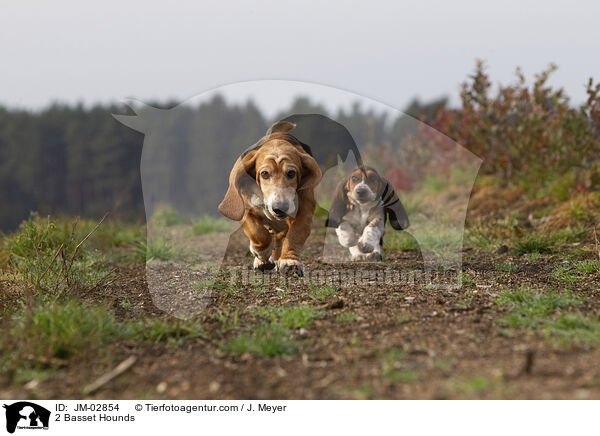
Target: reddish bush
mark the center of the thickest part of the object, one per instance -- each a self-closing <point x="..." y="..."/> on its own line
<point x="527" y="132"/>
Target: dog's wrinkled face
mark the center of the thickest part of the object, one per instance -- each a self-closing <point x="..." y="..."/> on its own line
<point x="278" y="173"/>
<point x="363" y="185"/>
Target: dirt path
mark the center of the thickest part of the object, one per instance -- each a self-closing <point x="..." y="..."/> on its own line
<point x="402" y="340"/>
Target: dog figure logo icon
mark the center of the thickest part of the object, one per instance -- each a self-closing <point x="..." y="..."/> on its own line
<point x="26" y="415"/>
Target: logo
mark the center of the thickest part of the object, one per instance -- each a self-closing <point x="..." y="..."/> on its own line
<point x="26" y="415"/>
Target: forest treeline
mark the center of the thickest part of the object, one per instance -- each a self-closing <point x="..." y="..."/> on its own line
<point x="75" y="160"/>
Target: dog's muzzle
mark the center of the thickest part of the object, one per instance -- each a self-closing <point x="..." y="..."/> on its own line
<point x="363" y="193"/>
<point x="283" y="204"/>
<point x="280" y="209"/>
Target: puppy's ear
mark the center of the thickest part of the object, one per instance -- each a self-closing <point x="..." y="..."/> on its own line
<point x="281" y="126"/>
<point x="393" y="208"/>
<point x="310" y="173"/>
<point x="339" y="206"/>
<point x="241" y="181"/>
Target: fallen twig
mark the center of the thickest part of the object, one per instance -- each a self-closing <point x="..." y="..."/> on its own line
<point x="72" y="260"/>
<point x="41" y="277"/>
<point x="88" y="235"/>
<point x="101" y="381"/>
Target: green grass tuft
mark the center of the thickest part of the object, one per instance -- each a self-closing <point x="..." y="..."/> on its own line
<point x="173" y="332"/>
<point x="573" y="328"/>
<point x="346" y="317"/>
<point x="542" y="311"/>
<point x="157" y="248"/>
<point x="322" y="292"/>
<point x="534" y="243"/>
<point x="165" y="216"/>
<point x="264" y="340"/>
<point x="394" y="369"/>
<point x="588" y="266"/>
<point x="403" y="241"/>
<point x="479" y="385"/>
<point x="208" y="224"/>
<point x="293" y="317"/>
<point x="508" y="267"/>
<point x="61" y="330"/>
<point x="52" y="334"/>
<point x="565" y="273"/>
<point x="49" y="257"/>
<point x="529" y="308"/>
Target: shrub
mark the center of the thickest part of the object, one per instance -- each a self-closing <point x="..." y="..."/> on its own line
<point x="47" y="258"/>
<point x="528" y="132"/>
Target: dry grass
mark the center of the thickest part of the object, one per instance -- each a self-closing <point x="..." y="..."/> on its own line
<point x="583" y="210"/>
<point x="488" y="200"/>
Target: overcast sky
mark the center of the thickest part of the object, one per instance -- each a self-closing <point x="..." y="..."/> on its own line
<point x="71" y="51"/>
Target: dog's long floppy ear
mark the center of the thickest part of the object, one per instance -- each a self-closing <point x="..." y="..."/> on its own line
<point x="339" y="206"/>
<point x="393" y="208"/>
<point x="310" y="173"/>
<point x="281" y="126"/>
<point x="241" y="180"/>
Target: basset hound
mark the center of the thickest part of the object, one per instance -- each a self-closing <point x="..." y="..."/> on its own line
<point x="271" y="191"/>
<point x="359" y="210"/>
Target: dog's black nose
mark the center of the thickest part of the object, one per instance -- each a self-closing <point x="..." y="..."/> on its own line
<point x="362" y="191"/>
<point x="280" y="210"/>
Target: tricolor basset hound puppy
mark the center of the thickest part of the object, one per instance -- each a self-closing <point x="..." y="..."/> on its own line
<point x="359" y="210"/>
<point x="271" y="191"/>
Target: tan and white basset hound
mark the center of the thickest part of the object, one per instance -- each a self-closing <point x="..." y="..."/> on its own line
<point x="271" y="191"/>
<point x="359" y="210"/>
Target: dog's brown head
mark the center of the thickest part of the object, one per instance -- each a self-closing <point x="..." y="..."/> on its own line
<point x="364" y="186"/>
<point x="270" y="174"/>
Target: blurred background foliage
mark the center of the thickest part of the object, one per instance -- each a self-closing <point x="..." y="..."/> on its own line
<point x="76" y="160"/>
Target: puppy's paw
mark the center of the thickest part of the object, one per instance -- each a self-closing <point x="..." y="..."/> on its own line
<point x="358" y="257"/>
<point x="365" y="247"/>
<point x="347" y="238"/>
<point x="373" y="257"/>
<point x="264" y="265"/>
<point x="290" y="266"/>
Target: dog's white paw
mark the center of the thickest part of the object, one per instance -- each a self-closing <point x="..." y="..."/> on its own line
<point x="347" y="240"/>
<point x="290" y="266"/>
<point x="365" y="247"/>
<point x="264" y="265"/>
<point x="358" y="257"/>
<point x="346" y="237"/>
<point x="374" y="257"/>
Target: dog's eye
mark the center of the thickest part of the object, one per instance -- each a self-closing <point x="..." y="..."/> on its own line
<point x="291" y="174"/>
<point x="354" y="179"/>
<point x="264" y="174"/>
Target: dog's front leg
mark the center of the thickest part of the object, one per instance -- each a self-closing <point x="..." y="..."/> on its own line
<point x="278" y="244"/>
<point x="261" y="243"/>
<point x="348" y="238"/>
<point x="299" y="231"/>
<point x="370" y="241"/>
<point x="346" y="235"/>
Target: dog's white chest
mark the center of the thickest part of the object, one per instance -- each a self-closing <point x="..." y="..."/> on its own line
<point x="362" y="214"/>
